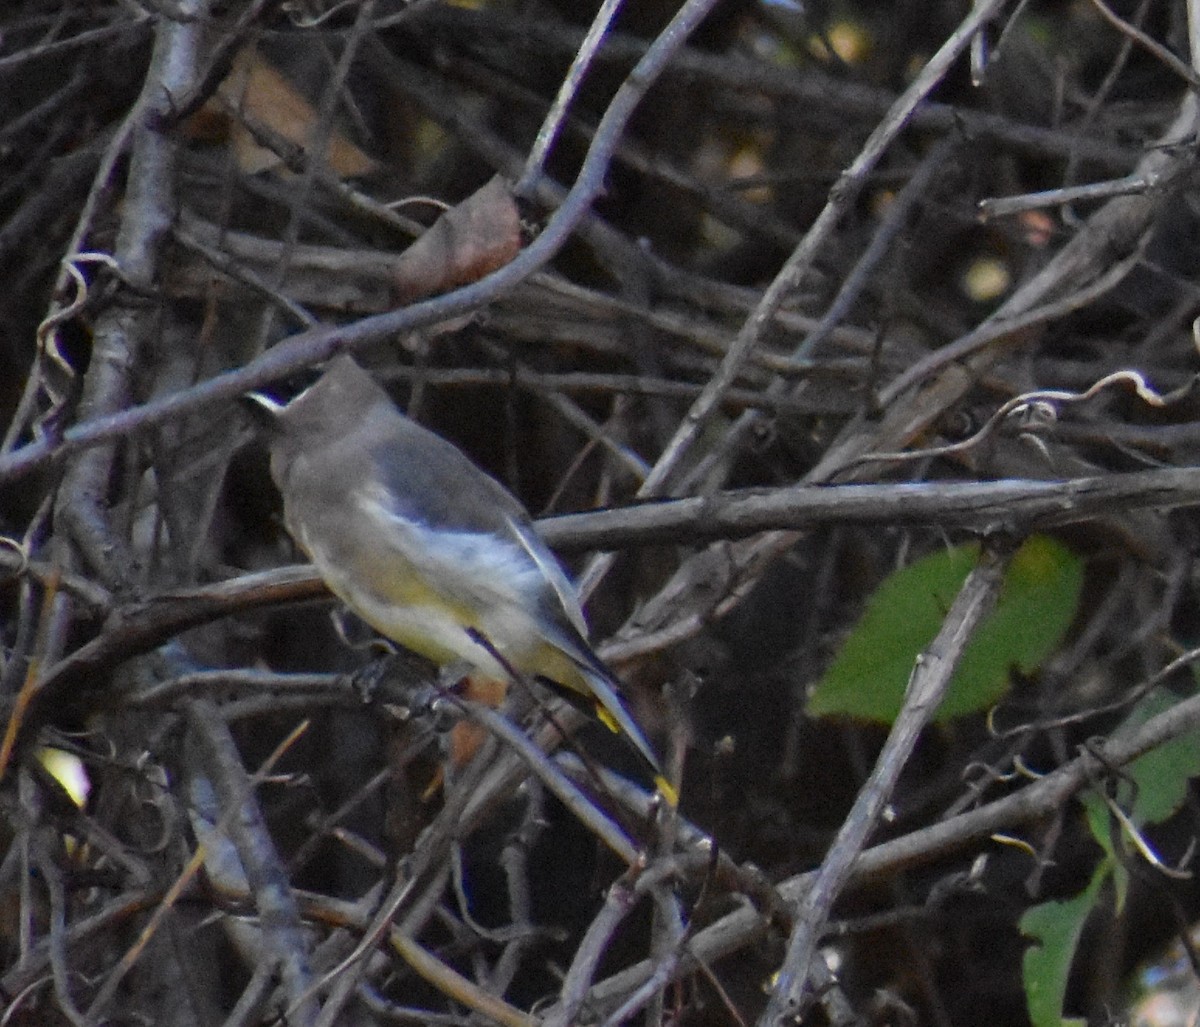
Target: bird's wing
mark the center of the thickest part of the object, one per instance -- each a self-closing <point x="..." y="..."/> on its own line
<point x="568" y="599"/>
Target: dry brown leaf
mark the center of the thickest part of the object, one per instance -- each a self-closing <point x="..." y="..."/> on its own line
<point x="255" y="93"/>
<point x="480" y="234"/>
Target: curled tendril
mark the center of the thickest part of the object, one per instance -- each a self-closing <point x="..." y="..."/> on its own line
<point x="1143" y="846"/>
<point x="986" y="774"/>
<point x="47" y="335"/>
<point x="1032" y="410"/>
<point x="419" y="201"/>
<point x="1025" y="770"/>
<point x="1016" y="843"/>
<point x="21" y="548"/>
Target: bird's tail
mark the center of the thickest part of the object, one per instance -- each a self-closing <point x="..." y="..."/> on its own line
<point x="612" y="713"/>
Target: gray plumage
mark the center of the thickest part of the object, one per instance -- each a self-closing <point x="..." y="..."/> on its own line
<point x="423" y="545"/>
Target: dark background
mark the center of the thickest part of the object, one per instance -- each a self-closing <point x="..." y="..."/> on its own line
<point x="186" y="144"/>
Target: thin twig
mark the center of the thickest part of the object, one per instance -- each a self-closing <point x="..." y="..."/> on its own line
<point x="1151" y="45"/>
<point x="313" y="346"/>
<point x="567" y="89"/>
<point x="671" y="462"/>
<point x="930" y="679"/>
<point x="1005" y="206"/>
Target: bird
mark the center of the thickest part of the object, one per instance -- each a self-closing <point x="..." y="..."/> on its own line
<point x="427" y="548"/>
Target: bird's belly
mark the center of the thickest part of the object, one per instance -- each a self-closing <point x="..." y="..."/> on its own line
<point x="402" y="604"/>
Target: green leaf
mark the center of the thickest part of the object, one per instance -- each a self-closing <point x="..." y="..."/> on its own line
<point x="1161" y="774"/>
<point x="1161" y="777"/>
<point x="1099" y="821"/>
<point x="1037" y="603"/>
<point x="1055" y="928"/>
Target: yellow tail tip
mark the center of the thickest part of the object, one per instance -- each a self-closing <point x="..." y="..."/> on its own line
<point x="667" y="790"/>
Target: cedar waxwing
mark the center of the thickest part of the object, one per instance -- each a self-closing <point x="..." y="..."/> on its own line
<point x="427" y="548"/>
